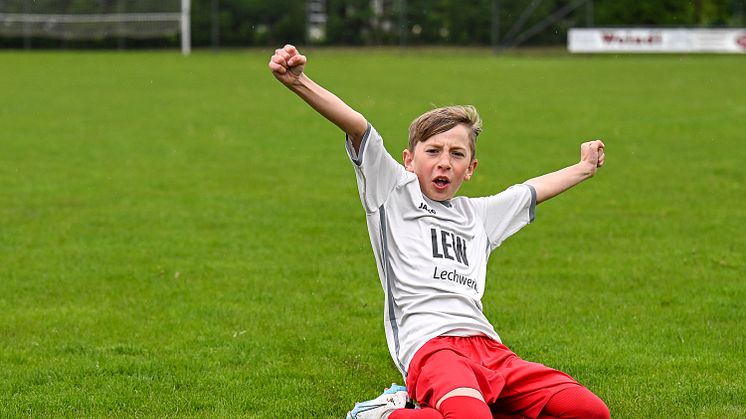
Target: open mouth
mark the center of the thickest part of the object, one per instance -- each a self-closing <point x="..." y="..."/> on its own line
<point x="441" y="182"/>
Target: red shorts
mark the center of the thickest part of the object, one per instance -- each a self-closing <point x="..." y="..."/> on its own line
<point x="508" y="384"/>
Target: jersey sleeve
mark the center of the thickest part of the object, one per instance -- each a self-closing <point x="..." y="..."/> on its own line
<point x="507" y="212"/>
<point x="376" y="171"/>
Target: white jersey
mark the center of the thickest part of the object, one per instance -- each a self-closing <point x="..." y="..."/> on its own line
<point x="431" y="256"/>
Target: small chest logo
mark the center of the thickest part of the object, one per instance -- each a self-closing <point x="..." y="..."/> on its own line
<point x="423" y="206"/>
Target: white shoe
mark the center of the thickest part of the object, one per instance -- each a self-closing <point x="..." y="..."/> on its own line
<point x="381" y="407"/>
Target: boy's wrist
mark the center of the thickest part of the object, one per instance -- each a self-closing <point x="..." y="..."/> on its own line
<point x="298" y="83"/>
<point x="586" y="169"/>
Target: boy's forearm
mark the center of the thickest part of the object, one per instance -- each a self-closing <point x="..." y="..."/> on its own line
<point x="552" y="184"/>
<point x="331" y="107"/>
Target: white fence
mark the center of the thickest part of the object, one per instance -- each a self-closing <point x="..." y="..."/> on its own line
<point x="655" y="40"/>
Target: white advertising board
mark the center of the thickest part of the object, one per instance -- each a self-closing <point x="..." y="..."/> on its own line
<point x="640" y="40"/>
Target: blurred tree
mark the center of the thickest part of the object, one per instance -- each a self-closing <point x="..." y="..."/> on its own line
<point x="249" y="22"/>
<point x="349" y="22"/>
<point x="466" y="22"/>
<point x="663" y="12"/>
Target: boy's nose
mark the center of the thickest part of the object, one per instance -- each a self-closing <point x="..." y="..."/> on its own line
<point x="444" y="162"/>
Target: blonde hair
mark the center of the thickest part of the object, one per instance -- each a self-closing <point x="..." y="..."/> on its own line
<point x="441" y="120"/>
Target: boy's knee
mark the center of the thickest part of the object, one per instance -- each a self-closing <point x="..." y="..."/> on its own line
<point x="595" y="409"/>
<point x="461" y="391"/>
<point x="592" y="407"/>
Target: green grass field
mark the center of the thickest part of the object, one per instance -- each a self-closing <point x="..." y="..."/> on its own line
<point x="183" y="236"/>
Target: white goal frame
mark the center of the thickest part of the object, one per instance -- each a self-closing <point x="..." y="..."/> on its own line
<point x="107" y="21"/>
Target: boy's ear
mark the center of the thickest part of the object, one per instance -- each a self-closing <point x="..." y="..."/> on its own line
<point x="470" y="170"/>
<point x="408" y="159"/>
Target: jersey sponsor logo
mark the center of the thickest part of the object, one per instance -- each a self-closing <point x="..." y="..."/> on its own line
<point x="423" y="206"/>
<point x="456" y="277"/>
<point x="447" y="245"/>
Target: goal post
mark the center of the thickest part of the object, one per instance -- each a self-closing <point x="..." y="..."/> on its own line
<point x="186" y="27"/>
<point x="96" y="20"/>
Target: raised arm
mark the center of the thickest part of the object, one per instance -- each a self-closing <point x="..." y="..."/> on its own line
<point x="287" y="66"/>
<point x="552" y="184"/>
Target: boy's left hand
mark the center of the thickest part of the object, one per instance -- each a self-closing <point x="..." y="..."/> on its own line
<point x="592" y="153"/>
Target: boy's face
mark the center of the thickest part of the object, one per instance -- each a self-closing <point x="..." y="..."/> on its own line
<point x="442" y="163"/>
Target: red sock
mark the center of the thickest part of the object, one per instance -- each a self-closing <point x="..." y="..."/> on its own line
<point x="424" y="413"/>
<point x="465" y="407"/>
<point x="457" y="407"/>
<point x="575" y="402"/>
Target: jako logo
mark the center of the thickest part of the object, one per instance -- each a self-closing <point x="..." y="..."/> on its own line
<point x="424" y="206"/>
<point x="741" y="41"/>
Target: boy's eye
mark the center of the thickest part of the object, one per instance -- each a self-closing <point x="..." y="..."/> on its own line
<point x="431" y="150"/>
<point x="458" y="154"/>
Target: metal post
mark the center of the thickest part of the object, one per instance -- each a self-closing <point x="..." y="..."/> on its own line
<point x="186" y="33"/>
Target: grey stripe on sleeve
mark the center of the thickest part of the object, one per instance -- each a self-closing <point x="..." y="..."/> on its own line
<point x="357" y="158"/>
<point x="532" y="208"/>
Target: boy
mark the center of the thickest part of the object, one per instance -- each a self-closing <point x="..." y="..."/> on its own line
<point x="431" y="251"/>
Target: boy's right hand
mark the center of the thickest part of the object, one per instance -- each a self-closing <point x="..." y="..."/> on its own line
<point x="287" y="64"/>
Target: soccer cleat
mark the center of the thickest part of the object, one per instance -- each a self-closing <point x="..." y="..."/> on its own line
<point x="381" y="407"/>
